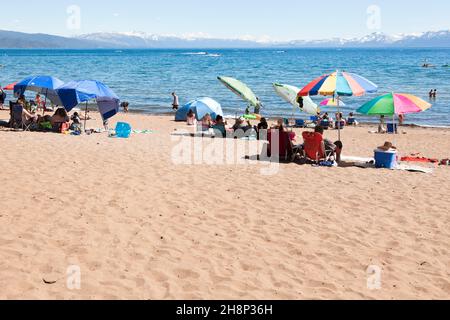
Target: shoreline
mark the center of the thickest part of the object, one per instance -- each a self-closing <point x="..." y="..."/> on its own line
<point x="270" y="118"/>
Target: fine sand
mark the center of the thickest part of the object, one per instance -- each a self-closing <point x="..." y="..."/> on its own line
<point x="140" y="225"/>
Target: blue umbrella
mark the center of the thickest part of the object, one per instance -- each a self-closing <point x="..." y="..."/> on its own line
<point x="76" y="92"/>
<point x="201" y="107"/>
<point x="44" y="85"/>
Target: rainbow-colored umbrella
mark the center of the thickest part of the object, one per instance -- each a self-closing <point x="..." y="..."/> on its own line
<point x="394" y="104"/>
<point x="339" y="84"/>
<point x="332" y="102"/>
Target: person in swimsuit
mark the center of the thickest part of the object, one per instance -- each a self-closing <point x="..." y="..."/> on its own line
<point x="176" y="102"/>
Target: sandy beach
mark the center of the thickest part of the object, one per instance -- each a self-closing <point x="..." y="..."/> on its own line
<point x="140" y="226"/>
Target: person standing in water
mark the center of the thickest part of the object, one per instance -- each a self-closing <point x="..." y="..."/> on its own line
<point x="176" y="101"/>
<point x="258" y="106"/>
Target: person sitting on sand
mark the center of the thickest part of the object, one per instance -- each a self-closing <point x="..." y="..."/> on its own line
<point x="401" y="119"/>
<point x="59" y="118"/>
<point x="219" y="126"/>
<point x="190" y="118"/>
<point x="76" y="122"/>
<point x="382" y="126"/>
<point x="23" y="101"/>
<point x="262" y="125"/>
<point x="239" y="126"/>
<point x="206" y="122"/>
<point x="280" y="125"/>
<point x="352" y="120"/>
<point x="39" y="103"/>
<point x="125" y="106"/>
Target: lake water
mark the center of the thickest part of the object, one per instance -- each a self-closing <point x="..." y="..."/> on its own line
<point x="145" y="78"/>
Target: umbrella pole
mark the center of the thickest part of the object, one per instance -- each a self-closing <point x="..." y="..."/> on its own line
<point x="339" y="121"/>
<point x="85" y="116"/>
<point x="45" y="103"/>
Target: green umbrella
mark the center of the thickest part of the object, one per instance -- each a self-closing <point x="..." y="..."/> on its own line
<point x="241" y="89"/>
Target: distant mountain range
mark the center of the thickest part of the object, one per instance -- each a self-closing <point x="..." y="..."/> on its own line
<point x="139" y="40"/>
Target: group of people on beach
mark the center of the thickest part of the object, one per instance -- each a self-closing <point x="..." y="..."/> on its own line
<point x="58" y="121"/>
<point x="243" y="128"/>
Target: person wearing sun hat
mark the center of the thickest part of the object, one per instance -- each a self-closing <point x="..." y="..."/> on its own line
<point x="388" y="146"/>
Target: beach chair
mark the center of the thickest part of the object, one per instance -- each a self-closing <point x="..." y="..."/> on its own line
<point x="286" y="152"/>
<point x="299" y="123"/>
<point x="351" y="121"/>
<point x="17" y="119"/>
<point x="325" y="124"/>
<point x="286" y="122"/>
<point x="312" y="148"/>
<point x="392" y="128"/>
<point x="339" y="125"/>
<point x="314" y="118"/>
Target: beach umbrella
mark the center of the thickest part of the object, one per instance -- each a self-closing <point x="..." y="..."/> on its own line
<point x="200" y="107"/>
<point x="394" y="104"/>
<point x="290" y="93"/>
<point x="10" y="87"/>
<point x="241" y="89"/>
<point x="45" y="85"/>
<point x="339" y="84"/>
<point x="331" y="102"/>
<point x="76" y="92"/>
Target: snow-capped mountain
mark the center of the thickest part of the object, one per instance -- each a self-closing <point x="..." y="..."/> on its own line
<point x="124" y="40"/>
<point x="379" y="39"/>
<point x="143" y="40"/>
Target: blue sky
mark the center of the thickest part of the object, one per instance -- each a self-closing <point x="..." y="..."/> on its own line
<point x="275" y="20"/>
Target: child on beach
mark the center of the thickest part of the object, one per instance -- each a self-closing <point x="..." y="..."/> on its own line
<point x="125" y="105"/>
<point x="382" y="126"/>
<point x="190" y="118"/>
<point x="76" y="122"/>
<point x="2" y="97"/>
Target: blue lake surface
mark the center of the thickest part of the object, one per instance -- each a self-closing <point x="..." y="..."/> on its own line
<point x="145" y="78"/>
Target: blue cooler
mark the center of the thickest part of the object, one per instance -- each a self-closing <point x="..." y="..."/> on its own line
<point x="385" y="159"/>
<point x="123" y="130"/>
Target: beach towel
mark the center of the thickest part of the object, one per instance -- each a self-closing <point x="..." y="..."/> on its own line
<point x="400" y="167"/>
<point x="419" y="159"/>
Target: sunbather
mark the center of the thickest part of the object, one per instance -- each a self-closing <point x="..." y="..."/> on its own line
<point x="219" y="126"/>
<point x="59" y="118"/>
